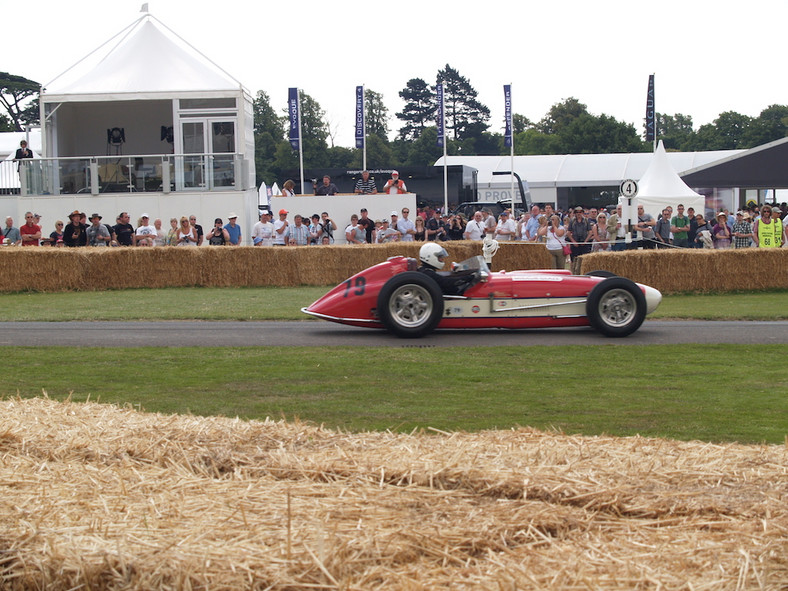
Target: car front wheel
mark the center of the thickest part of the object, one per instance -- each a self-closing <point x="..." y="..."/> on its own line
<point x="616" y="307"/>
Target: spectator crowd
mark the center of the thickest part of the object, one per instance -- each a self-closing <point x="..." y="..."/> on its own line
<point x="81" y="230"/>
<point x="565" y="234"/>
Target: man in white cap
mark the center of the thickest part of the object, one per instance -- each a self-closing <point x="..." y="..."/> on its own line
<point x="145" y="234"/>
<point x="234" y="230"/>
<point x="394" y="185"/>
<point x="263" y="231"/>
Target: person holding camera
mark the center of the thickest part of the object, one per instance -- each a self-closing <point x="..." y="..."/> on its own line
<point x="187" y="235"/>
<point x="97" y="233"/>
<point x="218" y="236"/>
<point x="435" y="227"/>
<point x="328" y="226"/>
<point x="394" y="186"/>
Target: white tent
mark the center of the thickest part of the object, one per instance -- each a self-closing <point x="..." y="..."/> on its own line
<point x="661" y="186"/>
<point x="164" y="95"/>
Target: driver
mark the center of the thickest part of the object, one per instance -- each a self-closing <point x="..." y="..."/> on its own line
<point x="432" y="257"/>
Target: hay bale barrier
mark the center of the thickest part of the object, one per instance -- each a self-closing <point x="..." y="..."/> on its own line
<point x="97" y="269"/>
<point x="697" y="270"/>
<point x="100" y="497"/>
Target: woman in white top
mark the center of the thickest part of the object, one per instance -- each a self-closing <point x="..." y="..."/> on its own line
<point x="187" y="236"/>
<point x="554" y="232"/>
<point x="288" y="189"/>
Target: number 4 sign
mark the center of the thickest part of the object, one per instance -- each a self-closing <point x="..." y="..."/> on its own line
<point x="629" y="188"/>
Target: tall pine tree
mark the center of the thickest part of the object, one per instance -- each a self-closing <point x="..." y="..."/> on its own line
<point x="466" y="117"/>
<point x="419" y="110"/>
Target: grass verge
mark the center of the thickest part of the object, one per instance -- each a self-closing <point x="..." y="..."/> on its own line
<point x="682" y="392"/>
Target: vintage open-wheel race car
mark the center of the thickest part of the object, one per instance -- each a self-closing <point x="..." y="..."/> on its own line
<point x="409" y="303"/>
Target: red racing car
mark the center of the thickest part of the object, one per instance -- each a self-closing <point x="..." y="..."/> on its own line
<point x="396" y="296"/>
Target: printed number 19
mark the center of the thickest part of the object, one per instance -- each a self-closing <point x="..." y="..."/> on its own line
<point x="360" y="284"/>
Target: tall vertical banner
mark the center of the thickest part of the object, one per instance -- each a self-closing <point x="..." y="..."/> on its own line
<point x="507" y="110"/>
<point x="440" y="116"/>
<point x="360" y="117"/>
<point x="651" y="135"/>
<point x="294" y="108"/>
<point x="441" y="124"/>
<point x="295" y="127"/>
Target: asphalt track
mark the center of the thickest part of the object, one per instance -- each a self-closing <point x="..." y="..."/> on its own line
<point x="326" y="334"/>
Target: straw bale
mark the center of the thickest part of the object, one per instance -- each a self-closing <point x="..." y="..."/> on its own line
<point x="92" y="269"/>
<point x="100" y="497"/>
<point x="697" y="270"/>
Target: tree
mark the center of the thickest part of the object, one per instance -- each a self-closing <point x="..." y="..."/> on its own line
<point x="532" y="141"/>
<point x="15" y="92"/>
<point x="269" y="132"/>
<point x="419" y="110"/>
<point x="520" y="123"/>
<point x="675" y="131"/>
<point x="340" y="157"/>
<point x="376" y="115"/>
<point x="589" y="134"/>
<point x="465" y="116"/>
<point x="731" y="127"/>
<point x="770" y="125"/>
<point x="379" y="154"/>
<point x="561" y="114"/>
<point x="5" y="124"/>
<point x="423" y="150"/>
<point x="314" y="134"/>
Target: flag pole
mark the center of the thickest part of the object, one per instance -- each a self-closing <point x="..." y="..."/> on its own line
<point x="509" y="140"/>
<point x="511" y="153"/>
<point x="300" y="145"/>
<point x="361" y="124"/>
<point x="442" y="142"/>
<point x="364" y="122"/>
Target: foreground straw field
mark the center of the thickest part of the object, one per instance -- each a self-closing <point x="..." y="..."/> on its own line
<point x="98" y="497"/>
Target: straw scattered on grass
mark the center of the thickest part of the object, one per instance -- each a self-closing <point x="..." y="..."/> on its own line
<point x="102" y="497"/>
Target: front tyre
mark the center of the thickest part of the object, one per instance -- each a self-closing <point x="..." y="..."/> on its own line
<point x="616" y="307"/>
<point x="410" y="304"/>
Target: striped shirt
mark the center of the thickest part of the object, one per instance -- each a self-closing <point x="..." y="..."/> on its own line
<point x="365" y="187"/>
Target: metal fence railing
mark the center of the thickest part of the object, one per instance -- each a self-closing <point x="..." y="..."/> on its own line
<point x="162" y="173"/>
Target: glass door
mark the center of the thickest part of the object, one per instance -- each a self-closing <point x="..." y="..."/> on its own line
<point x="222" y="148"/>
<point x="193" y="172"/>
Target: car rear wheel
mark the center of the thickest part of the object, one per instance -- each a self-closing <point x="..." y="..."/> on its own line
<point x="410" y="305"/>
<point x="616" y="307"/>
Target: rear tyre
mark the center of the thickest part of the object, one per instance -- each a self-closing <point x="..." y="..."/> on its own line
<point x="410" y="304"/>
<point x="616" y="307"/>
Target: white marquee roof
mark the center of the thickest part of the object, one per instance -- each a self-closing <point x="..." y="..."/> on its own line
<point x="573" y="170"/>
<point x="661" y="180"/>
<point x="147" y="60"/>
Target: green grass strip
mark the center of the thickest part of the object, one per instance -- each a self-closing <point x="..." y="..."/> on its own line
<point x="711" y="393"/>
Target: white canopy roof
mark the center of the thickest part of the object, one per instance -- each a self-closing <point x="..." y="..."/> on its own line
<point x="661" y="180"/>
<point x="661" y="186"/>
<point x="147" y="60"/>
<point x="572" y="170"/>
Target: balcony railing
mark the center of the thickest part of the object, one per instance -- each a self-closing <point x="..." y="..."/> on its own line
<point x="160" y="173"/>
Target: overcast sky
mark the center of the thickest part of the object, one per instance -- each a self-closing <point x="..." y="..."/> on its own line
<point x="708" y="57"/>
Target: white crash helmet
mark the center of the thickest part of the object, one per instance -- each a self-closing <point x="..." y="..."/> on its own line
<point x="432" y="254"/>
